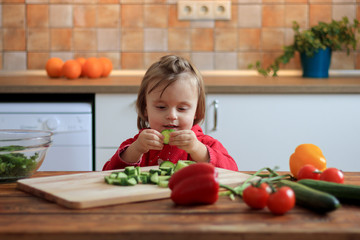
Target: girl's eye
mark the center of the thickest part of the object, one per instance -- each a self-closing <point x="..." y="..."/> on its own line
<point x="183" y="108"/>
<point x="160" y="107"/>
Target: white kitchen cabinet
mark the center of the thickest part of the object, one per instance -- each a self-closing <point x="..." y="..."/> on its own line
<point x="263" y="130"/>
<point x="115" y="121"/>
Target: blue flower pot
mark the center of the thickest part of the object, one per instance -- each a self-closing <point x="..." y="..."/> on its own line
<point x="318" y="65"/>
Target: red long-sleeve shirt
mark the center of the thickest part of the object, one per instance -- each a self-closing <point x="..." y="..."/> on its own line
<point x="219" y="156"/>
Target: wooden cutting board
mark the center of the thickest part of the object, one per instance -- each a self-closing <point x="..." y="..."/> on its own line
<point x="87" y="190"/>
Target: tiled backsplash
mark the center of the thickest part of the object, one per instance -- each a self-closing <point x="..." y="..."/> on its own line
<point x="134" y="33"/>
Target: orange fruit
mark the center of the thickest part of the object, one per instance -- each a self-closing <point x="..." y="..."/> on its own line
<point x="82" y="61"/>
<point x="93" y="67"/>
<point x="71" y="69"/>
<point x="53" y="67"/>
<point x="107" y="66"/>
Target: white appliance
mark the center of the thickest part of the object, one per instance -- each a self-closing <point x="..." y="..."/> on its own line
<point x="71" y="123"/>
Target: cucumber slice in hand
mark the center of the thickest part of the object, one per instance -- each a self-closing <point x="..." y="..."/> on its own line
<point x="166" y="134"/>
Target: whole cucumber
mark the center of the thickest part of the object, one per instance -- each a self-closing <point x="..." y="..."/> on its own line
<point x="312" y="199"/>
<point x="346" y="193"/>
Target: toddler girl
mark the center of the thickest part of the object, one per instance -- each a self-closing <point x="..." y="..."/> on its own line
<point x="171" y="96"/>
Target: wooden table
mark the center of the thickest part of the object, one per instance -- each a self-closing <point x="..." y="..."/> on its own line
<point x="23" y="216"/>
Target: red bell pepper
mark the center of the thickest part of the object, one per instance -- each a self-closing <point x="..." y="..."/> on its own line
<point x="195" y="184"/>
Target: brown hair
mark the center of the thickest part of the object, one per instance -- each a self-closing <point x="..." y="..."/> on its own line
<point x="167" y="70"/>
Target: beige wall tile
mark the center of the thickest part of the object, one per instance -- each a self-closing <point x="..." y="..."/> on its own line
<point x="225" y="60"/>
<point x="249" y="1"/>
<point x="298" y="13"/>
<point x="108" y="15"/>
<point x="273" y="1"/>
<point x="64" y="55"/>
<point x="38" y="39"/>
<point x="13" y="15"/>
<point x="108" y="39"/>
<point x="14" y="60"/>
<point x="179" y="39"/>
<point x="155" y="39"/>
<point x="202" y="39"/>
<point x="320" y="1"/>
<point x="249" y="38"/>
<point x="203" y="60"/>
<point x="156" y="16"/>
<point x="339" y="11"/>
<point x="84" y="15"/>
<point x="246" y="58"/>
<point x="37" y="15"/>
<point x="13" y="1"/>
<point x="296" y="1"/>
<point x="108" y="1"/>
<point x="84" y="39"/>
<point x="61" y="15"/>
<point x="249" y="16"/>
<point x="132" y="60"/>
<point x="37" y="60"/>
<point x="340" y="60"/>
<point x="132" y="16"/>
<point x="202" y="24"/>
<point x="272" y="39"/>
<point x="319" y="13"/>
<point x="225" y="39"/>
<point x="132" y="39"/>
<point x="273" y="16"/>
<point x="294" y="62"/>
<point x="357" y="65"/>
<point x="61" y="39"/>
<point x="269" y="57"/>
<point x="36" y="1"/>
<point x="14" y="39"/>
<point x="1" y="40"/>
<point x="152" y="57"/>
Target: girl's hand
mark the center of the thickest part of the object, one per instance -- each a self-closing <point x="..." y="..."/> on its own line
<point x="149" y="139"/>
<point x="187" y="141"/>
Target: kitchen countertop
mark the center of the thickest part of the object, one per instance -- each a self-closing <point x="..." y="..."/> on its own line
<point x="23" y="216"/>
<point x="216" y="83"/>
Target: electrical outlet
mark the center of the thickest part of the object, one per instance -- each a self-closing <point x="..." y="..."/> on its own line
<point x="187" y="10"/>
<point x="204" y="10"/>
<point x="222" y="10"/>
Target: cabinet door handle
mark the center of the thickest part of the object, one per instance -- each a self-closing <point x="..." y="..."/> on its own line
<point x="216" y="107"/>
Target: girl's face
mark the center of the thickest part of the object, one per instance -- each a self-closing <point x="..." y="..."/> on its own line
<point x="175" y="108"/>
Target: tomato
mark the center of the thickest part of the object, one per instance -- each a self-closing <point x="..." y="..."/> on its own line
<point x="281" y="201"/>
<point x="256" y="197"/>
<point x="308" y="171"/>
<point x="332" y="175"/>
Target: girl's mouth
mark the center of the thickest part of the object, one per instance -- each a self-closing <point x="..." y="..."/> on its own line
<point x="170" y="126"/>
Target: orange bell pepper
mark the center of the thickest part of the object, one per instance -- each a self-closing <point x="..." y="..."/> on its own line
<point x="306" y="154"/>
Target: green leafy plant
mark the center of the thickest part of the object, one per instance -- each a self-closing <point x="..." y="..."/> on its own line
<point x="337" y="35"/>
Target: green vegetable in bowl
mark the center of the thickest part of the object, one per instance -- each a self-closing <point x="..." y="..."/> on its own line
<point x="15" y="165"/>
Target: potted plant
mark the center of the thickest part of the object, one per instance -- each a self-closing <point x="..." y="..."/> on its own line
<point x="313" y="44"/>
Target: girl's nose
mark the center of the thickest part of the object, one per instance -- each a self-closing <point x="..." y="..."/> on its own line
<point x="172" y="114"/>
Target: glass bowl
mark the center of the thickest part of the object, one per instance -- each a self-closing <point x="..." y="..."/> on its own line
<point x="22" y="152"/>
